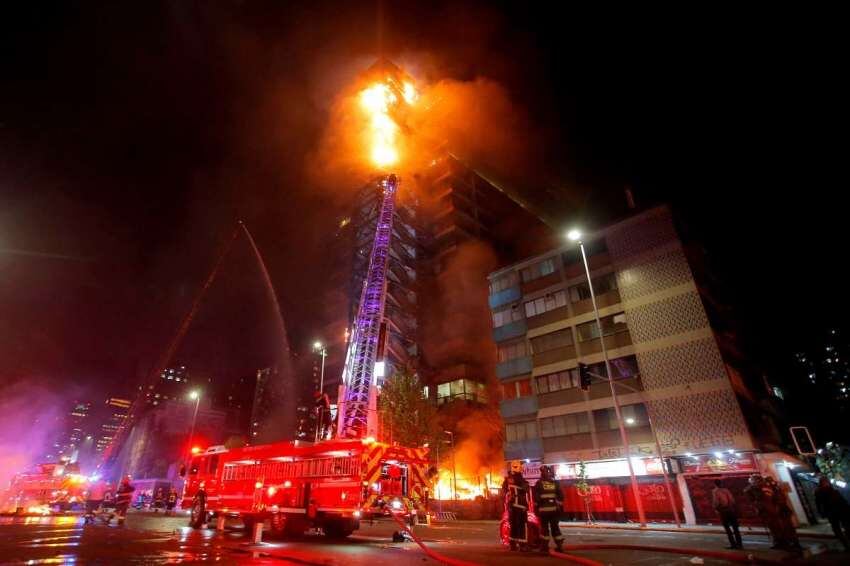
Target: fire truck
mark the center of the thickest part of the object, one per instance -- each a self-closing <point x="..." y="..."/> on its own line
<point x="330" y="485"/>
<point x="45" y="487"/>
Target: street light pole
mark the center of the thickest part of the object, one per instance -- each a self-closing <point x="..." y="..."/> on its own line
<point x="454" y="468"/>
<point x="319" y="347"/>
<point x="652" y="428"/>
<point x="575" y="236"/>
<point x="196" y="395"/>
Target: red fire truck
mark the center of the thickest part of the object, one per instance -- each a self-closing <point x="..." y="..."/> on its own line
<point x="330" y="484"/>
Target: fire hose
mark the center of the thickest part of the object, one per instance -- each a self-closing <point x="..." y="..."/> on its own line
<point x="455" y="562"/>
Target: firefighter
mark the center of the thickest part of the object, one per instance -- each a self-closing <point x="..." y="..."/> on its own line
<point x="517" y="497"/>
<point x="548" y="501"/>
<point x="159" y="500"/>
<point x="122" y="498"/>
<point x="171" y="502"/>
<point x="322" y="403"/>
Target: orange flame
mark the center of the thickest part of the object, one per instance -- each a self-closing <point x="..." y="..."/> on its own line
<point x="378" y="100"/>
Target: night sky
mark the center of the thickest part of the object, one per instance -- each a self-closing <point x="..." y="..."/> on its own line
<point x="133" y="136"/>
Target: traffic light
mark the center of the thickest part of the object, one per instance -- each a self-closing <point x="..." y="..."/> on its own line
<point x="584" y="376"/>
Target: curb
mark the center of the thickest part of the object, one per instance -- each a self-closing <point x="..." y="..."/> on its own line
<point x="800" y="534"/>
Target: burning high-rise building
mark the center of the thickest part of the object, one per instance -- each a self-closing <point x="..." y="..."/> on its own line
<point x="451" y="227"/>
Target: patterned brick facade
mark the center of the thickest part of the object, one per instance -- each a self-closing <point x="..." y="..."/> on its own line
<point x="689" y="396"/>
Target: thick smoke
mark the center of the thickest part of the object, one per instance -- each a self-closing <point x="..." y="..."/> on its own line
<point x="474" y="120"/>
<point x="31" y="417"/>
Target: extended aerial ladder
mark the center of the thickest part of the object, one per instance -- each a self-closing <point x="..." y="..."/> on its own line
<point x="358" y="392"/>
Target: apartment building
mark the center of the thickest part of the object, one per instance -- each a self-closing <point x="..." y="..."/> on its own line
<point x="676" y="378"/>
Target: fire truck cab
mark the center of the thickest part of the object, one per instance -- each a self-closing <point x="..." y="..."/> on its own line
<point x="295" y="486"/>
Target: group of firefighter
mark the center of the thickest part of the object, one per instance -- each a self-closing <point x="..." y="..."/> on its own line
<point x="100" y="498"/>
<point x="547" y="500"/>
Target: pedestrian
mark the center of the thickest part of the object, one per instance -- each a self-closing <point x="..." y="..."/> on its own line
<point x="832" y="505"/>
<point x="548" y="501"/>
<point x="94" y="499"/>
<point x="517" y="495"/>
<point x="785" y="515"/>
<point x="724" y="503"/>
<point x="171" y="502"/>
<point x="122" y="499"/>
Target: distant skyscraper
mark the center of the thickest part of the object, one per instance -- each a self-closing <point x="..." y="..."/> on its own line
<point x="173" y="384"/>
<point x="117" y="410"/>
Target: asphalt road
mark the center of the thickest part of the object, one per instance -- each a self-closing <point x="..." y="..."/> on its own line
<point x="149" y="538"/>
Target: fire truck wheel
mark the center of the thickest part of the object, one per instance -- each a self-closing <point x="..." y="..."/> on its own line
<point x="338" y="529"/>
<point x="248" y="523"/>
<point x="198" y="513"/>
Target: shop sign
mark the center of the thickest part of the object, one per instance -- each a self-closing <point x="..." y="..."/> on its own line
<point x="721" y="462"/>
<point x="610" y="468"/>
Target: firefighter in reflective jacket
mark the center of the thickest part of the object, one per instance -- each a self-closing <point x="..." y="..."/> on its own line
<point x="548" y="501"/>
<point x="517" y="498"/>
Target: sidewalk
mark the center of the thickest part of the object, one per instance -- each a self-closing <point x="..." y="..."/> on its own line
<point x="821" y="531"/>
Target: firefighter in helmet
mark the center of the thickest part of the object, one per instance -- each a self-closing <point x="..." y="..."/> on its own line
<point x="517" y="497"/>
<point x="548" y="500"/>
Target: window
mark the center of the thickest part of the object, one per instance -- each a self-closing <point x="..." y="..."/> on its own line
<point x="546" y="303"/>
<point x="562" y="425"/>
<point x="507" y="315"/>
<point x="610" y="325"/>
<point x="621" y="368"/>
<point x="504" y="282"/>
<point x="601" y="284"/>
<point x="515" y="389"/>
<point x="590" y="249"/>
<point x="520" y="431"/>
<point x="461" y="389"/>
<point x="512" y="351"/>
<point x="538" y="270"/>
<point x="633" y="415"/>
<point x="552" y="341"/>
<point x="552" y="382"/>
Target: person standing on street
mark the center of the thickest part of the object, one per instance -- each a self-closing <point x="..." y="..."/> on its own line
<point x="171" y="502"/>
<point x="548" y="501"/>
<point x="94" y="500"/>
<point x="517" y="497"/>
<point x="122" y="498"/>
<point x="835" y="508"/>
<point x="724" y="503"/>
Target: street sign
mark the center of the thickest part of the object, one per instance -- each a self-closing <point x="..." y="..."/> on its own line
<point x="803" y="441"/>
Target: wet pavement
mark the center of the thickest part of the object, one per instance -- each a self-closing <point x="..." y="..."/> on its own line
<point x="149" y="538"/>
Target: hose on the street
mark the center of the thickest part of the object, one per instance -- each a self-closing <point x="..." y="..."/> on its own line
<point x="719" y="554"/>
<point x="435" y="555"/>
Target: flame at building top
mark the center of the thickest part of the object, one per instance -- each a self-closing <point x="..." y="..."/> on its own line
<point x="383" y="101"/>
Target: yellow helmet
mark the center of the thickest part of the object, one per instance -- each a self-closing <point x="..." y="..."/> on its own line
<point x="516" y="466"/>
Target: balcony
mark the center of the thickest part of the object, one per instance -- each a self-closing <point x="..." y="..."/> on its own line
<point x="612" y="341"/>
<point x="557" y="355"/>
<point x="510" y="330"/>
<point x="516" y="366"/>
<point x="548" y="317"/>
<point x="541" y="283"/>
<point x="517" y="407"/>
<point x="505" y="296"/>
<point x="531" y="448"/>
<point x="603" y="300"/>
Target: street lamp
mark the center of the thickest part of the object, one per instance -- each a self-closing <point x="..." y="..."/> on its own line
<point x="454" y="468"/>
<point x="320" y="348"/>
<point x="194" y="395"/>
<point x="574" y="235"/>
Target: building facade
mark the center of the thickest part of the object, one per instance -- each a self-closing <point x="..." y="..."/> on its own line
<point x="116" y="412"/>
<point x="675" y="379"/>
